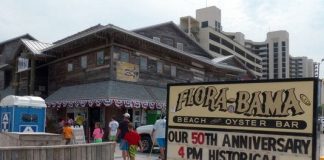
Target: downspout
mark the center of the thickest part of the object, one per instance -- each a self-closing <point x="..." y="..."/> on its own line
<point x="32" y="75"/>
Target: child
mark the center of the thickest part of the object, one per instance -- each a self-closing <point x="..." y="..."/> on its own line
<point x="98" y="133"/>
<point x="134" y="141"/>
<point x="67" y="133"/>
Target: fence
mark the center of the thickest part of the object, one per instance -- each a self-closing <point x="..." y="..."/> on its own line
<point x="91" y="151"/>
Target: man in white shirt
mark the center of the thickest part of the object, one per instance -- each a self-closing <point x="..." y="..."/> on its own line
<point x="159" y="131"/>
<point x="113" y="126"/>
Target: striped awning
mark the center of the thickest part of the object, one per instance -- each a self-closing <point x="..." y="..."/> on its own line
<point x="109" y="93"/>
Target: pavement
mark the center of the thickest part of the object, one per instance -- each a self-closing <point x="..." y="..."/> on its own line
<point x="139" y="155"/>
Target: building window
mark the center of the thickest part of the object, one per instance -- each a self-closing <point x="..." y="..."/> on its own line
<point x="204" y="24"/>
<point x="173" y="71"/>
<point x="275" y="44"/>
<point x="214" y="37"/>
<point x="166" y="69"/>
<point x="84" y="62"/>
<point x="159" y="67"/>
<point x="124" y="57"/>
<point x="100" y="58"/>
<point x="143" y="63"/>
<point x="70" y="67"/>
<point x="180" y="46"/>
<point x="157" y="39"/>
<point x="283" y="43"/>
<point x="214" y="48"/>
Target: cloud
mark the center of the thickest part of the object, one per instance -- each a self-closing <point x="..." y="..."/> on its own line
<point x="52" y="20"/>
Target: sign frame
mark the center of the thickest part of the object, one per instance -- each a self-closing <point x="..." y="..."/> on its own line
<point x="316" y="101"/>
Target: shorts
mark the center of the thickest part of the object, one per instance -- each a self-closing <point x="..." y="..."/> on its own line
<point x="161" y="142"/>
<point x="97" y="140"/>
<point x="112" y="138"/>
<point x="132" y="151"/>
<point x="123" y="145"/>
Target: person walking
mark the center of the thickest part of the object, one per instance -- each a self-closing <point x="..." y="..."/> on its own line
<point x="121" y="132"/>
<point x="113" y="127"/>
<point x="134" y="141"/>
<point x="97" y="133"/>
<point x="159" y="131"/>
<point x="67" y="133"/>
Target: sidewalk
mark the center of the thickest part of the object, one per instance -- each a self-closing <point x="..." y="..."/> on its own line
<point x="139" y="155"/>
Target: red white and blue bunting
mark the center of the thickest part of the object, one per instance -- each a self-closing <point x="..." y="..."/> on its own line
<point x="109" y="102"/>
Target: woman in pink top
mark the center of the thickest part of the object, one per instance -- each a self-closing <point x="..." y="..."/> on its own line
<point x="97" y="133"/>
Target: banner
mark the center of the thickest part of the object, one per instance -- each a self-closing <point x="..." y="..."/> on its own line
<point x="127" y="71"/>
<point x="252" y="120"/>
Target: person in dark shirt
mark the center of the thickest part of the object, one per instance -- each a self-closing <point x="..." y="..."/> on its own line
<point x="134" y="141"/>
<point x="122" y="130"/>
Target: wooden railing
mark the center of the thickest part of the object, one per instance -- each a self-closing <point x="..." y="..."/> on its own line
<point x="91" y="151"/>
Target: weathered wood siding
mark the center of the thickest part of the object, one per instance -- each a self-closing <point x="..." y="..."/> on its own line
<point x="59" y="75"/>
<point x="94" y="151"/>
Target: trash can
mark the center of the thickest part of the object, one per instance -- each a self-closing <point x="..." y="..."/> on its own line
<point x="22" y="114"/>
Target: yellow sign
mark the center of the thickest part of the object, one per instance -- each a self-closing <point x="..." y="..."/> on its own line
<point x="127" y="71"/>
<point x="275" y="106"/>
<point x="254" y="120"/>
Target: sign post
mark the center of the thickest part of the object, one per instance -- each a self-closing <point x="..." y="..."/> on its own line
<point x="254" y="120"/>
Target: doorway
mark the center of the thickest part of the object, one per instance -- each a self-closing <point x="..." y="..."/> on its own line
<point x="94" y="116"/>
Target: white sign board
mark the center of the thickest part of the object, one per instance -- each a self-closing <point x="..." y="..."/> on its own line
<point x="78" y="135"/>
<point x="254" y="120"/>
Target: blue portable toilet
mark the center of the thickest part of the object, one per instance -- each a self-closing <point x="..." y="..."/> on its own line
<point x="22" y="114"/>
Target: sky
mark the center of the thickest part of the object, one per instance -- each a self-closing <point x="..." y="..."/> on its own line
<point x="49" y="20"/>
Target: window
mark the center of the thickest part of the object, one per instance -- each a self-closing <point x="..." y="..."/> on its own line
<point x="70" y="67"/>
<point x="204" y="24"/>
<point x="124" y="57"/>
<point x="157" y="39"/>
<point x="214" y="48"/>
<point x="166" y="69"/>
<point x="100" y="58"/>
<point x="84" y="62"/>
<point x="143" y="63"/>
<point x="159" y="67"/>
<point x="173" y="71"/>
<point x="275" y="44"/>
<point x="180" y="46"/>
<point x="214" y="37"/>
<point x="283" y="43"/>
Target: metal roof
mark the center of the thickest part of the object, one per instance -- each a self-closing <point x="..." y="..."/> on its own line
<point x="17" y="38"/>
<point x="4" y="66"/>
<point x="108" y="89"/>
<point x="36" y="47"/>
<point x="110" y="26"/>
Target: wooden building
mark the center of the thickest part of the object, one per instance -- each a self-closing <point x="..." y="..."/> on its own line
<point x="106" y="70"/>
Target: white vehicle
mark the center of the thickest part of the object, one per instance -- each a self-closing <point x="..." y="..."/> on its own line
<point x="321" y="122"/>
<point x="145" y="133"/>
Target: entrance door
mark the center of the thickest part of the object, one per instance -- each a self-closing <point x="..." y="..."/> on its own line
<point x="94" y="116"/>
